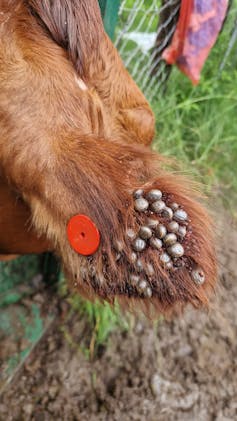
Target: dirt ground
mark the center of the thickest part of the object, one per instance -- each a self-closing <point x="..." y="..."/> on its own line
<point x="180" y="370"/>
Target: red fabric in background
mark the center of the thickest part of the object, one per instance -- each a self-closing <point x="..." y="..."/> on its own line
<point x="199" y="24"/>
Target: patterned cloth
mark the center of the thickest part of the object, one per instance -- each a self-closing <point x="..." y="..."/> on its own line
<point x="199" y="24"/>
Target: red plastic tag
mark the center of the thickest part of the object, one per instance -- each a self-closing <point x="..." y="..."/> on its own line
<point x="83" y="235"/>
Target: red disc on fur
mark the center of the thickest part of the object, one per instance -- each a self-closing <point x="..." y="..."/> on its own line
<point x="83" y="235"/>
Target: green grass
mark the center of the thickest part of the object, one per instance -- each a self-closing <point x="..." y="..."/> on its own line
<point x="197" y="125"/>
<point x="102" y="319"/>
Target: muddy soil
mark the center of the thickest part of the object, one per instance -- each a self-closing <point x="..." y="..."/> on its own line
<point x="180" y="370"/>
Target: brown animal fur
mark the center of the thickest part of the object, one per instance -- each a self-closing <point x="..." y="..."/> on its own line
<point x="71" y="145"/>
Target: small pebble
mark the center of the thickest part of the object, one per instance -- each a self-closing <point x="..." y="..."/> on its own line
<point x="145" y="233"/>
<point x="173" y="226"/>
<point x="167" y="212"/>
<point x="158" y="385"/>
<point x="158" y="206"/>
<point x="28" y="408"/>
<point x="161" y="231"/>
<point x="141" y="204"/>
<point x="198" y="276"/>
<point x="154" y="195"/>
<point x="138" y="193"/>
<point x="176" y="250"/>
<point x="53" y="391"/>
<point x="139" y="244"/>
<point x="180" y="215"/>
<point x="156" y="243"/>
<point x="170" y="239"/>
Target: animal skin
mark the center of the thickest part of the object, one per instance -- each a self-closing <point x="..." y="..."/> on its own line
<point x="75" y="135"/>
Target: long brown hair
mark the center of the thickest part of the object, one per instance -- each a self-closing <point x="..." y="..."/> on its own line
<point x="75" y="26"/>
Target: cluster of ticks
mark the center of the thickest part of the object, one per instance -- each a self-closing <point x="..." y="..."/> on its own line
<point x="166" y="238"/>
